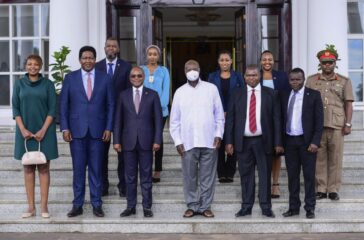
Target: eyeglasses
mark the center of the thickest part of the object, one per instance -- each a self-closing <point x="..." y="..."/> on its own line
<point x="136" y="75"/>
<point x="327" y="62"/>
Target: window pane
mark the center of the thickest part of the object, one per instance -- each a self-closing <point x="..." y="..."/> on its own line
<point x="45" y="20"/>
<point x="127" y="27"/>
<point x="128" y="50"/>
<point x="26" y="20"/>
<point x="355" y="53"/>
<point x="4" y="56"/>
<point x="22" y="49"/>
<point x="4" y="21"/>
<point x="46" y="55"/>
<point x="4" y="90"/>
<point x="270" y="27"/>
<point x="355" y="17"/>
<point x="357" y="81"/>
<point x="271" y="45"/>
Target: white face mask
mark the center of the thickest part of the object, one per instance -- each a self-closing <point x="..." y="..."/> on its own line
<point x="192" y="75"/>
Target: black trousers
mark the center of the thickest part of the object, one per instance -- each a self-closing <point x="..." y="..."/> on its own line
<point x="158" y="155"/>
<point x="297" y="156"/>
<point x="105" y="170"/>
<point x="253" y="154"/>
<point x="138" y="160"/>
<point x="225" y="168"/>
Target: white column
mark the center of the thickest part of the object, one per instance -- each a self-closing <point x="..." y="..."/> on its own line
<point x="97" y="26"/>
<point x="68" y="27"/>
<point x="299" y="34"/>
<point x="327" y="24"/>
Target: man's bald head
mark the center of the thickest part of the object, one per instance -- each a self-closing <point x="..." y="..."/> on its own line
<point x="192" y="65"/>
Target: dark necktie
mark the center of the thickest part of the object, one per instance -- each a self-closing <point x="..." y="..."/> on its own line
<point x="109" y="71"/>
<point x="290" y="112"/>
<point x="252" y="113"/>
<point x="137" y="100"/>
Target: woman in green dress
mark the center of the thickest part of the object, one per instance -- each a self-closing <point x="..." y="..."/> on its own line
<point x="34" y="109"/>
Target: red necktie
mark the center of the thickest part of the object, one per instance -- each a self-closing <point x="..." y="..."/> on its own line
<point x="252" y="112"/>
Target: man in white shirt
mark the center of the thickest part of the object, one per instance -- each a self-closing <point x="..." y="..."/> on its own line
<point x="253" y="131"/>
<point x="197" y="127"/>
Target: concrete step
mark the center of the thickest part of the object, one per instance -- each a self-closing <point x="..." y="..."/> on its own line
<point x="169" y="162"/>
<point x="7" y="149"/>
<point x="8" y="135"/>
<point x="170" y="188"/>
<point x="173" y="222"/>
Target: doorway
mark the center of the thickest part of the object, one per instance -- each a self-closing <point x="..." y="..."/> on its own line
<point x="198" y="33"/>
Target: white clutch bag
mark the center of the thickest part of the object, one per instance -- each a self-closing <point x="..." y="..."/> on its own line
<point x="33" y="157"/>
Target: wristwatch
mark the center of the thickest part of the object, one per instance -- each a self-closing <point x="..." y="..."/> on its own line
<point x="348" y="125"/>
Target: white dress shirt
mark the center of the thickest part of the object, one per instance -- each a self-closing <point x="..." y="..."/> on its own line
<point x="258" y="97"/>
<point x="197" y="116"/>
<point x="296" y="124"/>
<point x="85" y="76"/>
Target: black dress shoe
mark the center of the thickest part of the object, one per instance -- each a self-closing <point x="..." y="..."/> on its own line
<point x="122" y="193"/>
<point x="222" y="180"/>
<point x="334" y="196"/>
<point x="291" y="213"/>
<point x="127" y="212"/>
<point x="269" y="213"/>
<point x="310" y="214"/>
<point x="75" y="212"/>
<point x="156" y="180"/>
<point x="243" y="212"/>
<point x="105" y="193"/>
<point x="229" y="180"/>
<point x="147" y="212"/>
<point x="98" y="212"/>
<point x="321" y="195"/>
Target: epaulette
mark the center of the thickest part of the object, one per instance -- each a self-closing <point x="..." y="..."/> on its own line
<point x="315" y="76"/>
<point x="341" y="76"/>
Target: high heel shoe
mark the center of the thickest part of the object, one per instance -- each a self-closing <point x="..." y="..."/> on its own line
<point x="274" y="195"/>
<point x="28" y="214"/>
<point x="45" y="215"/>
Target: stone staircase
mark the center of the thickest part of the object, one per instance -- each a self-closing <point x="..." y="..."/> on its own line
<point x="346" y="215"/>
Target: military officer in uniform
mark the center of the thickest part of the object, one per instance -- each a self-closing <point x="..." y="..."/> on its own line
<point x="337" y="97"/>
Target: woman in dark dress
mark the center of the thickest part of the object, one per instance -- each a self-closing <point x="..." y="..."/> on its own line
<point x="278" y="81"/>
<point x="225" y="80"/>
<point x="34" y="108"/>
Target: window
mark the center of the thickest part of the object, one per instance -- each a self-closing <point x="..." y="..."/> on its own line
<point x="355" y="46"/>
<point x="128" y="34"/>
<point x="24" y="30"/>
<point x="270" y="34"/>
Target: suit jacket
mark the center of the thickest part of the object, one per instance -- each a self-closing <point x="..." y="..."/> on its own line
<point x="312" y="116"/>
<point x="146" y="127"/>
<point x="280" y="81"/>
<point x="78" y="114"/>
<point x="236" y="80"/>
<point x="270" y="119"/>
<point x="121" y="74"/>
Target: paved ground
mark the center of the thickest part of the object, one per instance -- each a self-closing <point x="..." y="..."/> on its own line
<point x="98" y="236"/>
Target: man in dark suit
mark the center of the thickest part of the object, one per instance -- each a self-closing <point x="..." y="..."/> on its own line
<point x="253" y="131"/>
<point x="86" y="111"/>
<point x="302" y="130"/>
<point x="137" y="133"/>
<point x="119" y="71"/>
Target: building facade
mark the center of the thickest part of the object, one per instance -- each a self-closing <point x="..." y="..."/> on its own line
<point x="294" y="30"/>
